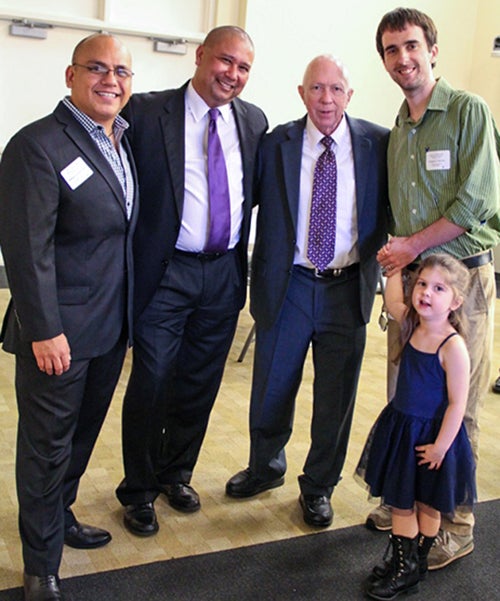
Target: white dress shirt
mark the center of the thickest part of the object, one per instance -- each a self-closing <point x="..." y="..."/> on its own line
<point x="346" y="238"/>
<point x="193" y="233"/>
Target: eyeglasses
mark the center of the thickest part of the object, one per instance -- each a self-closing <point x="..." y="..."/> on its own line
<point x="101" y="70"/>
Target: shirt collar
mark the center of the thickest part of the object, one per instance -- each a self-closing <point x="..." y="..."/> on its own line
<point x="439" y="100"/>
<point x="338" y="136"/>
<point x="119" y="124"/>
<point x="199" y="108"/>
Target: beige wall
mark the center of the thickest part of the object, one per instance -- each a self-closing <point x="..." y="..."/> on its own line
<point x="485" y="73"/>
<point x="287" y="34"/>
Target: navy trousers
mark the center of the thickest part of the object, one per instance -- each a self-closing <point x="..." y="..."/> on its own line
<point x="323" y="313"/>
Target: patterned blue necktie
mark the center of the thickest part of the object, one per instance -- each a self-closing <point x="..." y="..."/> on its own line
<point x="218" y="191"/>
<point x="322" y="221"/>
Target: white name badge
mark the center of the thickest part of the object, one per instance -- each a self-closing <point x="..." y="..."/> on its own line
<point x="437" y="160"/>
<point x="76" y="173"/>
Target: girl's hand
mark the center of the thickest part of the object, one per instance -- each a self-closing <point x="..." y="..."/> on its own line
<point x="431" y="454"/>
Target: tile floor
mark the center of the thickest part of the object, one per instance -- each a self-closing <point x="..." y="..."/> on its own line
<point x="222" y="523"/>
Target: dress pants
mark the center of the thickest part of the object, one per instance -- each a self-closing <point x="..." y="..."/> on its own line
<point x="59" y="420"/>
<point x="326" y="314"/>
<point x="181" y="342"/>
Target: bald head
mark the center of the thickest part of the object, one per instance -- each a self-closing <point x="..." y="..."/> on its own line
<point x="223" y="64"/>
<point x="96" y="37"/>
<point x="216" y="35"/>
<point x="325" y="92"/>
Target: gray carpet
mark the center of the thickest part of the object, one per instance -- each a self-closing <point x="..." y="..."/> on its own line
<point x="328" y="566"/>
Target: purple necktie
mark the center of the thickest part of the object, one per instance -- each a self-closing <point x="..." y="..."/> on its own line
<point x="218" y="191"/>
<point x="321" y="241"/>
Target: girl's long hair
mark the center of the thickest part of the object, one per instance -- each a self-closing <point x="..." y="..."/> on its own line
<point x="457" y="277"/>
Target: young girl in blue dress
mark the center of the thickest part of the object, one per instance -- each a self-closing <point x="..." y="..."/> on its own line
<point x="418" y="458"/>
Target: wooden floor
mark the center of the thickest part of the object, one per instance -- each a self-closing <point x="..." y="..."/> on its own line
<point x="222" y="523"/>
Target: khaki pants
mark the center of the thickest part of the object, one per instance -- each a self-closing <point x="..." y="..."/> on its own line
<point x="480" y="307"/>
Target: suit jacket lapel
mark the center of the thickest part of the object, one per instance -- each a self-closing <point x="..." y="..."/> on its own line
<point x="248" y="144"/>
<point x="291" y="151"/>
<point x="135" y="206"/>
<point x="361" y="147"/>
<point x="173" y="126"/>
<point x="90" y="151"/>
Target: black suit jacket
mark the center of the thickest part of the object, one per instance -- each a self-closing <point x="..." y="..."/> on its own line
<point x="278" y="198"/>
<point x="68" y="253"/>
<point x="157" y="139"/>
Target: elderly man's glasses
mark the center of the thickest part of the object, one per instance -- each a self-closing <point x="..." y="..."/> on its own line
<point x="102" y="70"/>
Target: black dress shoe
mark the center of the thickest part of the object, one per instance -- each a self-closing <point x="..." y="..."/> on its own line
<point x="181" y="496"/>
<point x="41" y="588"/>
<point x="317" y="510"/>
<point x="141" y="519"/>
<point x="82" y="536"/>
<point x="245" y="484"/>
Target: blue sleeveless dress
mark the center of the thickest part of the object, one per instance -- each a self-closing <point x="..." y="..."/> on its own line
<point x="388" y="464"/>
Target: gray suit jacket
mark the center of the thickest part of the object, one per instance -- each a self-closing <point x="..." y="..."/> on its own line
<point x="68" y="252"/>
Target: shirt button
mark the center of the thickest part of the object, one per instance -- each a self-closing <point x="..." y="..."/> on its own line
<point x="414" y="211"/>
<point x="413" y="184"/>
<point x="412" y="157"/>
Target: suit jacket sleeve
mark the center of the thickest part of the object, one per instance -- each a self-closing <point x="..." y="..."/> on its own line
<point x="29" y="195"/>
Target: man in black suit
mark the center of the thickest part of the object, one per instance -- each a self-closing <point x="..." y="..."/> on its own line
<point x="67" y="211"/>
<point x="188" y="294"/>
<point x="298" y="299"/>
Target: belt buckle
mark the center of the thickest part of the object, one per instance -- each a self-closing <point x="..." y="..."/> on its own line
<point x="318" y="273"/>
<point x="336" y="271"/>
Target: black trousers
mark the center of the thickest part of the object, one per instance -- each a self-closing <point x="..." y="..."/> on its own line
<point x="181" y="343"/>
<point x="323" y="313"/>
<point x="59" y="420"/>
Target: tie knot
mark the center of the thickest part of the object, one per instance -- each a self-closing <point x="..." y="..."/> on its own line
<point x="327" y="142"/>
<point x="214" y="114"/>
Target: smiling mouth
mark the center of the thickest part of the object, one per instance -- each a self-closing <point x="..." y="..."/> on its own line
<point x="107" y="94"/>
<point x="225" y="85"/>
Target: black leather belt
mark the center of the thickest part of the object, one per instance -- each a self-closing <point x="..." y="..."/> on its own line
<point x="469" y="262"/>
<point x="201" y="256"/>
<point x="330" y="274"/>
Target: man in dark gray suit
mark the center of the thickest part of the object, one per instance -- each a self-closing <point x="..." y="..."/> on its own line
<point x="188" y="292"/>
<point x="322" y="296"/>
<point x="67" y="212"/>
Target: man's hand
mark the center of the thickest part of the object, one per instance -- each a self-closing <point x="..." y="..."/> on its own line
<point x="53" y="356"/>
<point x="396" y="254"/>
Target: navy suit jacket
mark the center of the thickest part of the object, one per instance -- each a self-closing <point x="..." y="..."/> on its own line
<point x="68" y="253"/>
<point x="278" y="198"/>
<point x="156" y="135"/>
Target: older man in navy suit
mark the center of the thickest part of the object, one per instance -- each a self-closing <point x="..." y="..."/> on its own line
<point x="314" y="275"/>
<point x="189" y="291"/>
<point x="67" y="211"/>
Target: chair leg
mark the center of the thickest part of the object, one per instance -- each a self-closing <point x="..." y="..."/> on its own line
<point x="248" y="342"/>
